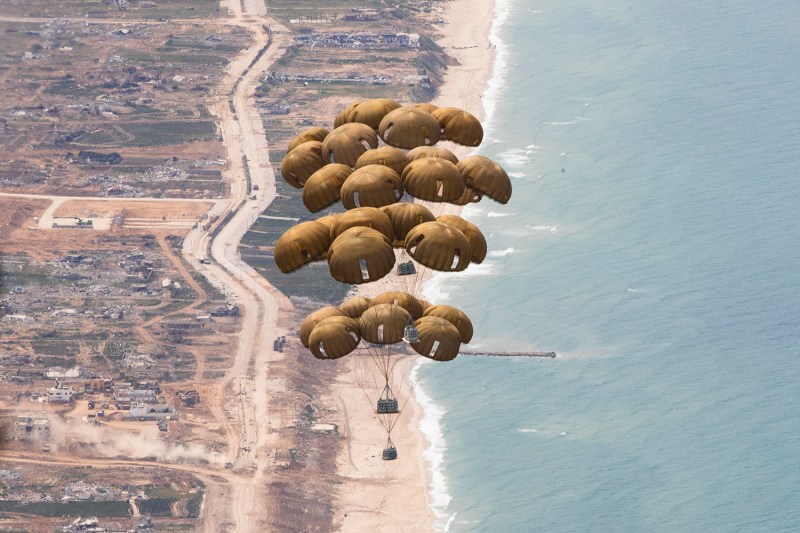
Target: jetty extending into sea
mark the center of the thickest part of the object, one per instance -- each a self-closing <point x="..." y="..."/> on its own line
<point x="550" y="355"/>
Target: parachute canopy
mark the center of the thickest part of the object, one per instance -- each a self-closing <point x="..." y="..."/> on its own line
<point x="334" y="337"/>
<point x="438" y="246"/>
<point x="455" y="316"/>
<point x="371" y="112"/>
<point x="387" y="156"/>
<point x="347" y="142"/>
<point x="433" y="179"/>
<point x="360" y="255"/>
<point x="409" y="127"/>
<point x="438" y="339"/>
<point x="405" y="216"/>
<point x="311" y="321"/>
<point x="322" y="187"/>
<point x="383" y="323"/>
<point x="459" y="126"/>
<point x="343" y="117"/>
<point x="477" y="242"/>
<point x="353" y="307"/>
<point x="371" y="186"/>
<point x="301" y="163"/>
<point x="300" y="245"/>
<point x="367" y="217"/>
<point x="311" y="134"/>
<point x="431" y="151"/>
<point x="403" y="299"/>
<point x="486" y="177"/>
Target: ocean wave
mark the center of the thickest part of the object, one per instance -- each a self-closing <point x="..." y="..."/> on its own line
<point x="527" y="430"/>
<point x="495" y="214"/>
<point x="434" y="291"/>
<point x="516" y="175"/>
<point x="566" y="122"/>
<point x="431" y="428"/>
<point x="542" y="227"/>
<point x="501" y="253"/>
<point x="449" y="522"/>
<point x="515" y="157"/>
<point x="484" y="269"/>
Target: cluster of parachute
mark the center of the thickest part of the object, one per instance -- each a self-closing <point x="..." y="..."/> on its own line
<point x="439" y="330"/>
<point x="359" y="244"/>
<point x="381" y="162"/>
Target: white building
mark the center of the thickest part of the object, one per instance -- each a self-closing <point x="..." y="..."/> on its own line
<point x="59" y="395"/>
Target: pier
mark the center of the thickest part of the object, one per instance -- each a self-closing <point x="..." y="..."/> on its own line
<point x="550" y="355"/>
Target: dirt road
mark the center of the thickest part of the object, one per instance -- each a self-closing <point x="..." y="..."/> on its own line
<point x="242" y="397"/>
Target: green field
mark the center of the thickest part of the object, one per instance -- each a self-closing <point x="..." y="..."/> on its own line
<point x="68" y="509"/>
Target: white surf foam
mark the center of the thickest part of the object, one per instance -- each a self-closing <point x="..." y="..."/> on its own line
<point x="515" y="157"/>
<point x="542" y="227"/>
<point x="430" y="426"/>
<point x="449" y="522"/>
<point x="497" y="81"/>
<point x="501" y="253"/>
<point x="494" y="214"/>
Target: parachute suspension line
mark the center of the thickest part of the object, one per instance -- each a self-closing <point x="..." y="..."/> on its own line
<point x="419" y="276"/>
<point x="402" y="407"/>
<point x="393" y="423"/>
<point x="385" y="422"/>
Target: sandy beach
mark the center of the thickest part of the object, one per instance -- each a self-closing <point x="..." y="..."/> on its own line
<point x="389" y="496"/>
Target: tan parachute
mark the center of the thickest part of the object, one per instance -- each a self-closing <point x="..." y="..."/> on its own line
<point x="477" y="242"/>
<point x="439" y="246"/>
<point x="433" y="179"/>
<point x="371" y="186"/>
<point x="322" y="188"/>
<point x="459" y="126"/>
<point x="438" y="339"/>
<point x="366" y="217"/>
<point x="487" y="177"/>
<point x="387" y="156"/>
<point x="300" y="245"/>
<point x="334" y="337"/>
<point x="347" y="142"/>
<point x="301" y="163"/>
<point x="360" y="255"/>
<point x="311" y="134"/>
<point x="409" y="127"/>
<point x="405" y="216"/>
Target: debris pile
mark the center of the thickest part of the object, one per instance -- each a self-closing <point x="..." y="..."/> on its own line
<point x="189" y="397"/>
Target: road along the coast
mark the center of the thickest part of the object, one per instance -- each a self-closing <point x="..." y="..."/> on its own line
<point x="242" y="401"/>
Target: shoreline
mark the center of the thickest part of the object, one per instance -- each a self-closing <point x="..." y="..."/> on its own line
<point x="402" y="495"/>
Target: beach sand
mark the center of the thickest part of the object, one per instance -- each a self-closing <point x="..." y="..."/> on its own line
<point x="389" y="496"/>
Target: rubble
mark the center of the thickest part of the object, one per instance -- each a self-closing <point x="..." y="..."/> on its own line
<point x="189" y="397"/>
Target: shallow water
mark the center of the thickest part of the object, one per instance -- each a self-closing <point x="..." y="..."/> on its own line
<point x="652" y="241"/>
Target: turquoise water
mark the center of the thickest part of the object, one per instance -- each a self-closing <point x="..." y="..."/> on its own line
<point x="653" y="241"/>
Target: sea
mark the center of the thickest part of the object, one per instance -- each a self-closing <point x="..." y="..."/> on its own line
<point x="653" y="242"/>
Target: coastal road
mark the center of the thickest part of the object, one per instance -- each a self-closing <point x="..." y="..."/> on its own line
<point x="242" y="403"/>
